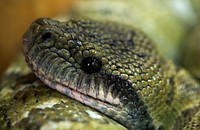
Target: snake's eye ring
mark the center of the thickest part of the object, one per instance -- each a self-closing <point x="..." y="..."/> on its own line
<point x="91" y="65"/>
<point x="46" y="36"/>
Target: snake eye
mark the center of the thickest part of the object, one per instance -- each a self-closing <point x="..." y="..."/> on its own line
<point x="46" y="36"/>
<point x="91" y="65"/>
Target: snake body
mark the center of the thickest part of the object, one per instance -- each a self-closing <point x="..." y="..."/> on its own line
<point x="114" y="69"/>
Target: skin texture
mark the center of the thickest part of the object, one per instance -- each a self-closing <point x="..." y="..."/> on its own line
<point x="132" y="83"/>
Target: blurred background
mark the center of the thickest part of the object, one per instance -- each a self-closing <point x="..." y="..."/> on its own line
<point x="172" y="25"/>
<point x="16" y="16"/>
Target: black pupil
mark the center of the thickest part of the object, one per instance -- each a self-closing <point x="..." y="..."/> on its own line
<point x="91" y="65"/>
<point x="46" y="36"/>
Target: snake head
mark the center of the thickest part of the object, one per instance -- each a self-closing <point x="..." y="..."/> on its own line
<point x="100" y="64"/>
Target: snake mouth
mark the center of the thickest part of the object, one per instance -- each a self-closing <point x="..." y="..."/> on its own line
<point x="69" y="90"/>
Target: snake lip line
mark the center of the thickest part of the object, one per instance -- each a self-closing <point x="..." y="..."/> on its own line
<point x="69" y="91"/>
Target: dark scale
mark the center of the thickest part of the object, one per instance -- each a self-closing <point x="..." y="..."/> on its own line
<point x="131" y="102"/>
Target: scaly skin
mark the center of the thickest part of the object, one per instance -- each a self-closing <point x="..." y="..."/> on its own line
<point x="114" y="69"/>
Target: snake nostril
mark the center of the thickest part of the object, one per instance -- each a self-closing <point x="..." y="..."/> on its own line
<point x="46" y="36"/>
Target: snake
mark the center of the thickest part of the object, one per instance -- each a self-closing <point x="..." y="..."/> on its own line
<point x="114" y="69"/>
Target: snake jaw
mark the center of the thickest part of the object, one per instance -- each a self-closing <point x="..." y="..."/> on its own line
<point x="73" y="91"/>
<point x="104" y="106"/>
